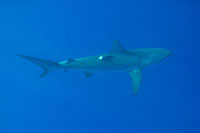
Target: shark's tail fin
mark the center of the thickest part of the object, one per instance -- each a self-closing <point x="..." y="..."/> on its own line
<point x="45" y="64"/>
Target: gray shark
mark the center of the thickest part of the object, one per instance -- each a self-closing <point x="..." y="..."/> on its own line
<point x="118" y="59"/>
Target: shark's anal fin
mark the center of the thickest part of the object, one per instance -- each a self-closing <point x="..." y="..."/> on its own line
<point x="65" y="70"/>
<point x="88" y="74"/>
<point x="44" y="73"/>
<point x="136" y="76"/>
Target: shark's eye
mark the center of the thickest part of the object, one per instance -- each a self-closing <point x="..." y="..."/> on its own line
<point x="100" y="57"/>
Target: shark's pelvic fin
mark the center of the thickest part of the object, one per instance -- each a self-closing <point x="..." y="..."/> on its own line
<point x="136" y="76"/>
<point x="45" y="64"/>
<point x="88" y="74"/>
<point x="117" y="47"/>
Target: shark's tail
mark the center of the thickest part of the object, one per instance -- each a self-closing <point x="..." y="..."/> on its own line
<point x="45" y="64"/>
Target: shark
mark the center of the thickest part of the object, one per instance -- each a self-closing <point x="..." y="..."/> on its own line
<point x="119" y="59"/>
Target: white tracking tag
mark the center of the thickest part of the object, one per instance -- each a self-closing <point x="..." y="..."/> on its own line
<point x="100" y="57"/>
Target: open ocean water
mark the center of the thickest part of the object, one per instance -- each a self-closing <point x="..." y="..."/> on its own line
<point x="66" y="102"/>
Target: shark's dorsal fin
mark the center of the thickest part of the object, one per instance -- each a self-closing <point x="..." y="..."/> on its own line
<point x="117" y="47"/>
<point x="136" y="76"/>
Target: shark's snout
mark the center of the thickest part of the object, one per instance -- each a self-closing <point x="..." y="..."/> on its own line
<point x="160" y="54"/>
<point x="165" y="53"/>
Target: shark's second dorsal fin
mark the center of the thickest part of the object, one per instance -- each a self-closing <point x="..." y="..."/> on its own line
<point x="71" y="60"/>
<point x="67" y="61"/>
<point x="117" y="47"/>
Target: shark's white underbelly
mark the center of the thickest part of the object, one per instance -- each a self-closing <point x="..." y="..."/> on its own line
<point x="105" y="69"/>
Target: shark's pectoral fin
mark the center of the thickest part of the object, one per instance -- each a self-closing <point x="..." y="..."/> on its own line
<point x="88" y="74"/>
<point x="136" y="76"/>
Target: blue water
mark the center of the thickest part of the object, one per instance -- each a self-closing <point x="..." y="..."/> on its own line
<point x="67" y="102"/>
